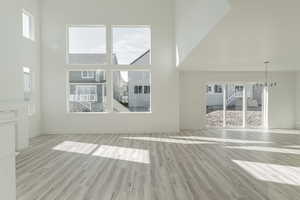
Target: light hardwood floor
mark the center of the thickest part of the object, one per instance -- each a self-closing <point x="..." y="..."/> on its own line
<point x="190" y="165"/>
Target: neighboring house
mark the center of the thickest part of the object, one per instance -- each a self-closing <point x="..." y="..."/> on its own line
<point x="87" y="88"/>
<point x="87" y="91"/>
<point x="234" y="95"/>
<point x="134" y="94"/>
<point x="90" y="59"/>
<point x="214" y="95"/>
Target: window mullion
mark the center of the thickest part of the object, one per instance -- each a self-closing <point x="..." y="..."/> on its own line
<point x="109" y="43"/>
<point x="109" y="94"/>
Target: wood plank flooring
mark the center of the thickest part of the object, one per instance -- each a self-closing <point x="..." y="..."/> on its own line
<point x="190" y="165"/>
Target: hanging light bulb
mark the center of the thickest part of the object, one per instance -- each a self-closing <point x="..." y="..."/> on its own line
<point x="269" y="84"/>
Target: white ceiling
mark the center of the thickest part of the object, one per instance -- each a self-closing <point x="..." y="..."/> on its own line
<point x="253" y="31"/>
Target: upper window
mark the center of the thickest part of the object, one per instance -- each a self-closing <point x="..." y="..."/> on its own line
<point x="28" y="25"/>
<point x="131" y="45"/>
<point x="87" y="45"/>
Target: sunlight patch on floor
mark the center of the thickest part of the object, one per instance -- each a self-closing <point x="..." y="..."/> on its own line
<point x="293" y="146"/>
<point x="271" y="172"/>
<point x="222" y="140"/>
<point x="76" y="147"/>
<point x="167" y="140"/>
<point x="276" y="131"/>
<point x="122" y="153"/>
<point x="266" y="149"/>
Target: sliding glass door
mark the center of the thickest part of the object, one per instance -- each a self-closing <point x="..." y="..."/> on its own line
<point x="215" y="106"/>
<point x="235" y="105"/>
<point x="254" y="110"/>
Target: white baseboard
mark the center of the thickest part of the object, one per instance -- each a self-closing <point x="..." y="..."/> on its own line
<point x="65" y="132"/>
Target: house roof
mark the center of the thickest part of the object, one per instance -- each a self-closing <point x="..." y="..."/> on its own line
<point x="140" y="57"/>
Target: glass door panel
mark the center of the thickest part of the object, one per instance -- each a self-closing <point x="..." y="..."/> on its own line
<point x="234" y="105"/>
<point x="254" y="109"/>
<point x="214" y="106"/>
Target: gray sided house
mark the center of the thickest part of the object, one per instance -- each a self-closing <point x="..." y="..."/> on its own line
<point x="90" y="59"/>
<point x="234" y="96"/>
<point x="134" y="94"/>
<point x="87" y="91"/>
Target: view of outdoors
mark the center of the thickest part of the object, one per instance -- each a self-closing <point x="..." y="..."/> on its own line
<point x="131" y="45"/>
<point x="87" y="45"/>
<point x="233" y="97"/>
<point x="254" y="110"/>
<point x="131" y="91"/>
<point x="87" y="91"/>
<point x="215" y="106"/>
<point x="234" y="105"/>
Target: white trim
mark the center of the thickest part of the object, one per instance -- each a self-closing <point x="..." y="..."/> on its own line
<point x="245" y="101"/>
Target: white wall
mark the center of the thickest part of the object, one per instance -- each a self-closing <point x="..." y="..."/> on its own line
<point x="11" y="76"/>
<point x="30" y="57"/>
<point x="250" y="33"/>
<point x="193" y="96"/>
<point x="194" y="20"/>
<point x="11" y="87"/>
<point x="159" y="14"/>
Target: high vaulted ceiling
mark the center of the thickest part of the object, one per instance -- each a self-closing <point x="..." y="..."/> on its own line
<point x="251" y="32"/>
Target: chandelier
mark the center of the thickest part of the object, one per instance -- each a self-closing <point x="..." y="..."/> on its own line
<point x="267" y="83"/>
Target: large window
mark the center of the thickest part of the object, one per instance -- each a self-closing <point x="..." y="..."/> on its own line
<point x="87" y="95"/>
<point x="28" y="25"/>
<point x="131" y="91"/>
<point x="87" y="45"/>
<point x="109" y="90"/>
<point x="131" y="45"/>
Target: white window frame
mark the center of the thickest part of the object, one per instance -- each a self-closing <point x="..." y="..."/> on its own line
<point x="68" y="26"/>
<point x="108" y="68"/>
<point x="31" y="27"/>
<point x="129" y="26"/>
